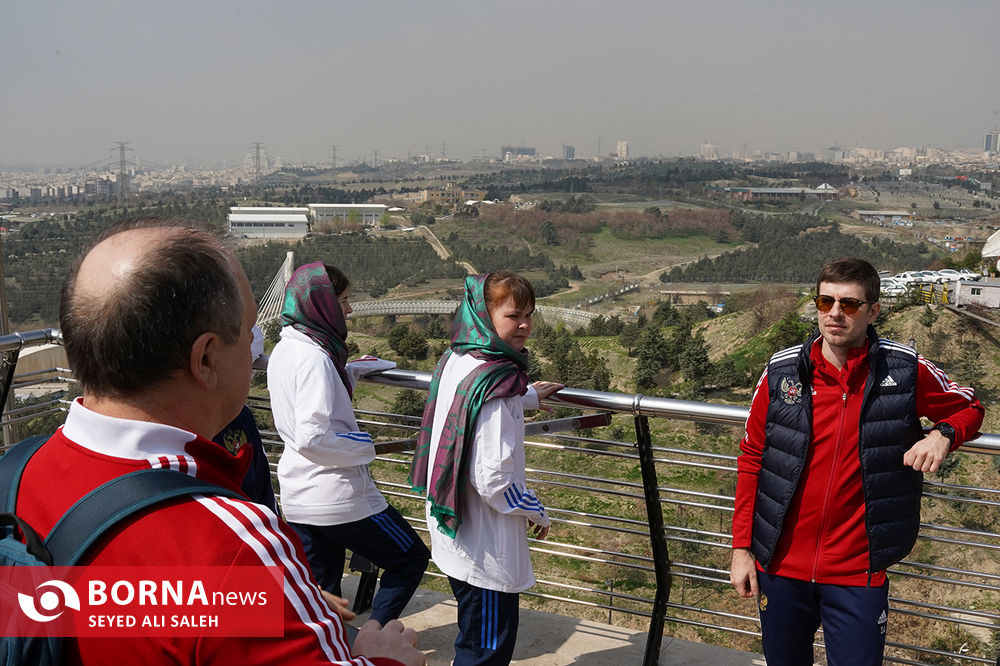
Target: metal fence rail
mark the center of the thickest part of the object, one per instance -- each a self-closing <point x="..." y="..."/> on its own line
<point x="609" y="558"/>
<point x="945" y="596"/>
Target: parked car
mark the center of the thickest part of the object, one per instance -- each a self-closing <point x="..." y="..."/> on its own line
<point x="892" y="287"/>
<point x="914" y="277"/>
<point x="947" y="275"/>
<point x="966" y="274"/>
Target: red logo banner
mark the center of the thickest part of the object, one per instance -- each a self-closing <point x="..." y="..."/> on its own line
<point x="141" y="601"/>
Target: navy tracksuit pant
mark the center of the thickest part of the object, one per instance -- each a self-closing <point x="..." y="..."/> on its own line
<point x="386" y="540"/>
<point x="487" y="625"/>
<point x="854" y="621"/>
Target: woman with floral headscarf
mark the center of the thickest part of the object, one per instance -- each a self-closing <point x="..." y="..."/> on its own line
<point x="470" y="464"/>
<point x="327" y="493"/>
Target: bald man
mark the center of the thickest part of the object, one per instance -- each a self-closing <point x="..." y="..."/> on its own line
<point x="156" y="319"/>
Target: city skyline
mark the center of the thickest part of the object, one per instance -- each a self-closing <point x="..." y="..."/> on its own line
<point x="190" y="83"/>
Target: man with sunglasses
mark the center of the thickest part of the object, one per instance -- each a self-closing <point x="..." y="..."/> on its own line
<point x="831" y="472"/>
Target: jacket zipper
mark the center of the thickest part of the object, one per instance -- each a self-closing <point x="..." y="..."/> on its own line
<point x="829" y="484"/>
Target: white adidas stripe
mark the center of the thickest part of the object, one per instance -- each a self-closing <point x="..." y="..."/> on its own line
<point x="946" y="384"/>
<point x="184" y="464"/>
<point x="786" y="353"/>
<point x="274" y="549"/>
<point x="885" y="343"/>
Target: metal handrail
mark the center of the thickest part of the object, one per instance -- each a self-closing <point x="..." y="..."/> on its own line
<point x="643" y="405"/>
<point x="41" y="336"/>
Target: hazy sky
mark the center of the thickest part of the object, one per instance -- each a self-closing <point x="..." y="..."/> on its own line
<point x="200" y="81"/>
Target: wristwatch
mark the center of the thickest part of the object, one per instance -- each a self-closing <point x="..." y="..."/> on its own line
<point x="945" y="430"/>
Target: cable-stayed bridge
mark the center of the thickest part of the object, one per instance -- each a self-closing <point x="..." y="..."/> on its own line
<point x="271" y="302"/>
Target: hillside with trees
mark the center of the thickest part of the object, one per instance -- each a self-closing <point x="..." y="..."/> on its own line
<point x="573" y="225"/>
<point x="38" y="256"/>
<point x="373" y="265"/>
<point x="792" y="249"/>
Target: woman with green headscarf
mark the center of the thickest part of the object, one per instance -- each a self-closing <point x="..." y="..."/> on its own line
<point x="327" y="493"/>
<point x="470" y="464"/>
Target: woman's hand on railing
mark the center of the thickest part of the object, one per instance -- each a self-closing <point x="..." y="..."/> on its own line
<point x="544" y="390"/>
<point x="538" y="531"/>
<point x="338" y="605"/>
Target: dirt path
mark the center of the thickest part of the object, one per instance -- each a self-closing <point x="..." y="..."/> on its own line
<point x="441" y="250"/>
<point x="573" y="286"/>
<point x="654" y="275"/>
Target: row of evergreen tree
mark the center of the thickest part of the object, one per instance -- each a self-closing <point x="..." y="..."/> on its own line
<point x="794" y="248"/>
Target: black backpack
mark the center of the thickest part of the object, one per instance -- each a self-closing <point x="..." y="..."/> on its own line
<point x="90" y="517"/>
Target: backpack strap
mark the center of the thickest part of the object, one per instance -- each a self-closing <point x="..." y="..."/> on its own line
<point x="32" y="542"/>
<point x="12" y="465"/>
<point x="104" y="507"/>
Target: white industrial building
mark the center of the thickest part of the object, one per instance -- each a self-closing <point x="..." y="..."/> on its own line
<point x="268" y="210"/>
<point x="295" y="223"/>
<point x="276" y="222"/>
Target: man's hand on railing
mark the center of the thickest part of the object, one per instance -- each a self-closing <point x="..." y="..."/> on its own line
<point x="743" y="573"/>
<point x="928" y="454"/>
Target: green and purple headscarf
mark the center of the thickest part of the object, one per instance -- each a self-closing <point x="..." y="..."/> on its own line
<point x="311" y="307"/>
<point x="501" y="376"/>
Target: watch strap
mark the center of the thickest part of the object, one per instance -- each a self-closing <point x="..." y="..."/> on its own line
<point x="946" y="430"/>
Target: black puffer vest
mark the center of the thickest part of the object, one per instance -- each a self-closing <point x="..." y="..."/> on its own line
<point x="888" y="427"/>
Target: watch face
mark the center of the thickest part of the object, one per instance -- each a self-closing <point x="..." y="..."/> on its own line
<point x="946" y="430"/>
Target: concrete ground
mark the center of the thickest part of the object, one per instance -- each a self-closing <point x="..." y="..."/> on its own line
<point x="547" y="639"/>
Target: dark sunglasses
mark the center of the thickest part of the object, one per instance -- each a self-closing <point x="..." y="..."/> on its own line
<point x="847" y="305"/>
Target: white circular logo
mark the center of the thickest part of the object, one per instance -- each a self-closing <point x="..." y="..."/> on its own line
<point x="50" y="600"/>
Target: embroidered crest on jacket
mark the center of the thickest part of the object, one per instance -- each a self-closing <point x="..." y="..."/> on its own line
<point x="791" y="391"/>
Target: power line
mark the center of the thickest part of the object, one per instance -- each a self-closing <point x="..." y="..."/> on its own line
<point x="257" y="148"/>
<point x="123" y="163"/>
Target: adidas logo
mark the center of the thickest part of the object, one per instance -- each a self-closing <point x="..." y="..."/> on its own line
<point x="882" y="619"/>
<point x="888" y="381"/>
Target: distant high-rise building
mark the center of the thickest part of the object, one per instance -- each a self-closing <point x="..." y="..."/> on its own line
<point x="708" y="151"/>
<point x="992" y="141"/>
<point x="837" y="154"/>
<point x="621" y="150"/>
<point x="516" y="153"/>
<point x="569" y="152"/>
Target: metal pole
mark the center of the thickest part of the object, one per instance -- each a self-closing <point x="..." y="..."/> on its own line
<point x="657" y="538"/>
<point x="9" y="362"/>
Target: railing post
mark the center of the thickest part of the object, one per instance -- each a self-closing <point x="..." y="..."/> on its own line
<point x="9" y="361"/>
<point x="8" y="364"/>
<point x="657" y="538"/>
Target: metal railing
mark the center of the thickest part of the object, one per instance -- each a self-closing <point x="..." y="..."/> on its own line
<point x="949" y="587"/>
<point x="642" y="508"/>
<point x="383" y="308"/>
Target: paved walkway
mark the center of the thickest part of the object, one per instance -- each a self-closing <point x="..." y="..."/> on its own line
<point x="547" y="639"/>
